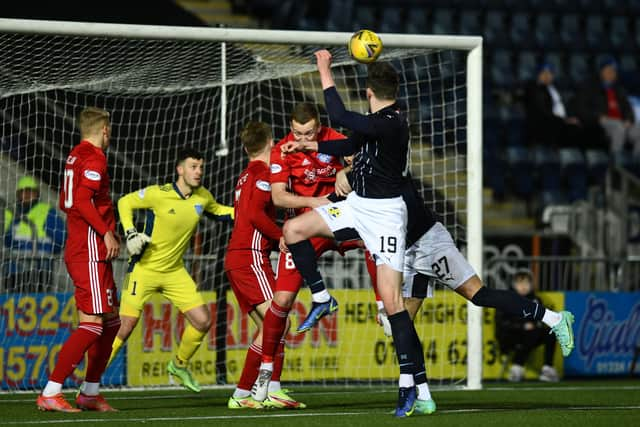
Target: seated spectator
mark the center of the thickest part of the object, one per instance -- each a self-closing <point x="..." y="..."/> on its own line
<point x="32" y="232"/>
<point x="547" y="119"/>
<point x="604" y="103"/>
<point x="522" y="336"/>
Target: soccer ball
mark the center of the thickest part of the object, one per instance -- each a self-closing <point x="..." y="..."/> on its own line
<point x="365" y="46"/>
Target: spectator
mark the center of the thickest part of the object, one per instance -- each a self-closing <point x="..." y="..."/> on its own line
<point x="32" y="232"/>
<point x="604" y="103"/>
<point x="547" y="119"/>
<point x="523" y="336"/>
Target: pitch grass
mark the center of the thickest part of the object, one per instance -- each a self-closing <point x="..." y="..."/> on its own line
<point x="571" y="403"/>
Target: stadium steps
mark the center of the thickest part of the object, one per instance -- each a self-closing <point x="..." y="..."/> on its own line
<point x="217" y="13"/>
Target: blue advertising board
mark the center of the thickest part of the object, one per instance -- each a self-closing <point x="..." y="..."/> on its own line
<point x="607" y="331"/>
<point x="33" y="328"/>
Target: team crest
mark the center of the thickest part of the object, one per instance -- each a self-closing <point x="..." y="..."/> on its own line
<point x="198" y="209"/>
<point x="324" y="158"/>
<point x="334" y="212"/>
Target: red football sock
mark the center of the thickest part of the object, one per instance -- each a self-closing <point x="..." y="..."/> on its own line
<point x="278" y="362"/>
<point x="74" y="348"/>
<point x="99" y="352"/>
<point x="372" y="268"/>
<point x="273" y="326"/>
<point x="251" y="367"/>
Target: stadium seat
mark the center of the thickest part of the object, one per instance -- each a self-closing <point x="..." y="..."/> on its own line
<point x="495" y="28"/>
<point x="527" y="62"/>
<point x="578" y="67"/>
<point x="502" y="69"/>
<point x="416" y="21"/>
<point x="470" y="23"/>
<point x="574" y="172"/>
<point x="545" y="31"/>
<point x="597" y="164"/>
<point x="619" y="33"/>
<point x="570" y="34"/>
<point x="443" y="22"/>
<point x="590" y="6"/>
<point x="340" y="15"/>
<point x="391" y="20"/>
<point x="595" y="33"/>
<point x="365" y="17"/>
<point x="520" y="29"/>
<point x="520" y="171"/>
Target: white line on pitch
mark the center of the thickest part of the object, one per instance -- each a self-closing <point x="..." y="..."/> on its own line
<point x="318" y="414"/>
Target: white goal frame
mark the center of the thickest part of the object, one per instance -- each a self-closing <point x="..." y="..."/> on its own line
<point x="471" y="44"/>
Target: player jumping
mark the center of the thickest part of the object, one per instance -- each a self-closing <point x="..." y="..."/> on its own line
<point x="91" y="244"/>
<point x="156" y="264"/>
<point x="248" y="266"/>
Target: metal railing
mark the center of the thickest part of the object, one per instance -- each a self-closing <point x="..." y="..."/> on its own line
<point x="567" y="273"/>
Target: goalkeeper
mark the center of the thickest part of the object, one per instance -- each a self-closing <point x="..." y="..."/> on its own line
<point x="156" y="264"/>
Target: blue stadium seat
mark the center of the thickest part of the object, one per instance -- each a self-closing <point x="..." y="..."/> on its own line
<point x="521" y="29"/>
<point x="502" y="69"/>
<point x="574" y="171"/>
<point x="391" y="20"/>
<point x="521" y="171"/>
<point x="546" y="31"/>
<point x="548" y="166"/>
<point x="527" y="62"/>
<point x="628" y="63"/>
<point x="443" y="22"/>
<point x="595" y="33"/>
<point x="578" y="67"/>
<point x="633" y="6"/>
<point x="340" y="14"/>
<point x="495" y="28"/>
<point x="614" y="6"/>
<point x="416" y="21"/>
<point x="365" y="17"/>
<point x="590" y="5"/>
<point x="470" y="23"/>
<point x="570" y="34"/>
<point x="619" y="32"/>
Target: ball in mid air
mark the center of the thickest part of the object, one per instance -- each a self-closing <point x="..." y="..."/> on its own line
<point x="365" y="46"/>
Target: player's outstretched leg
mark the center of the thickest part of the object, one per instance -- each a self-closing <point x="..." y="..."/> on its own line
<point x="199" y="323"/>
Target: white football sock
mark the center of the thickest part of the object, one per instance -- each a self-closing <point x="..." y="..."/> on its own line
<point x="266" y="366"/>
<point x="90" y="389"/>
<point x="406" y="380"/>
<point x="51" y="389"/>
<point x="551" y="318"/>
<point x="240" y="393"/>
<point x="423" y="391"/>
<point x="274" y="386"/>
<point x="322" y="296"/>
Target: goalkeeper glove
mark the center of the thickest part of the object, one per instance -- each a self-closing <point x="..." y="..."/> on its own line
<point x="136" y="241"/>
<point x="383" y="321"/>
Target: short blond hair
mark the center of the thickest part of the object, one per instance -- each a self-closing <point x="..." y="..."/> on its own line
<point x="91" y="120"/>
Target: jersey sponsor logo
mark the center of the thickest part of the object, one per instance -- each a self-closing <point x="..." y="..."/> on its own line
<point x="324" y="158"/>
<point x="334" y="212"/>
<point x="92" y="175"/>
<point x="263" y="185"/>
<point x="198" y="209"/>
<point x="141" y="193"/>
<point x="276" y="168"/>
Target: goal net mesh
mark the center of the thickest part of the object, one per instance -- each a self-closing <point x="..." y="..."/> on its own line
<point x="164" y="95"/>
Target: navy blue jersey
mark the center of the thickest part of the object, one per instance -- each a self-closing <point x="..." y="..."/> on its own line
<point x="380" y="143"/>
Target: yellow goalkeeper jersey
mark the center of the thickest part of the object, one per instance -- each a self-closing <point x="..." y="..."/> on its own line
<point x="171" y="220"/>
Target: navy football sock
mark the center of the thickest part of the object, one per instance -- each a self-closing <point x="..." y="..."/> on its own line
<point x="509" y="302"/>
<point x="304" y="256"/>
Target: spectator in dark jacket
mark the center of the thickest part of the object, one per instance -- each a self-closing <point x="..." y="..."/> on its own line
<point x="548" y="121"/>
<point x="522" y="336"/>
<point x="604" y="103"/>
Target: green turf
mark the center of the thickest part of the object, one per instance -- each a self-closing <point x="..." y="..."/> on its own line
<point x="571" y="403"/>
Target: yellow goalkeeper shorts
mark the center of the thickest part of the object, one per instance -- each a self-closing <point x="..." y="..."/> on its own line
<point x="177" y="286"/>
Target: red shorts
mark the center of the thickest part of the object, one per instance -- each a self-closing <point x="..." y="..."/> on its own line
<point x="96" y="292"/>
<point x="252" y="285"/>
<point x="289" y="279"/>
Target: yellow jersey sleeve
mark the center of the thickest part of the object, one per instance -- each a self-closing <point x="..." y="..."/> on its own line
<point x="141" y="199"/>
<point x="217" y="211"/>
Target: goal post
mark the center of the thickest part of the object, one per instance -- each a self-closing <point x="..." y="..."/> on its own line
<point x="171" y="86"/>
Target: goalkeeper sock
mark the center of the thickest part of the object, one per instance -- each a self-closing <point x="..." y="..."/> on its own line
<point x="278" y="362"/>
<point x="509" y="302"/>
<point x="74" y="349"/>
<point x="99" y="353"/>
<point x="273" y="327"/>
<point x="305" y="259"/>
<point x="115" y="348"/>
<point x="189" y="344"/>
<point x="250" y="369"/>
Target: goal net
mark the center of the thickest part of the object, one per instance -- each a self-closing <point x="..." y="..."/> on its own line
<point x="167" y="88"/>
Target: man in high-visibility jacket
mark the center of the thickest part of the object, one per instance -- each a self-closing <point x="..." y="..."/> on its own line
<point x="33" y="232"/>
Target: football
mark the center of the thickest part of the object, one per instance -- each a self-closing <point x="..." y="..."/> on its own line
<point x="365" y="46"/>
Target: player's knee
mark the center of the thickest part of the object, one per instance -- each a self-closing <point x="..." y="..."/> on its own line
<point x="127" y="324"/>
<point x="284" y="299"/>
<point x="293" y="231"/>
<point x="203" y="324"/>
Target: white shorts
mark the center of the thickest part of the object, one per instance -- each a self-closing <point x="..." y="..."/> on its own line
<point x="381" y="224"/>
<point x="435" y="256"/>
